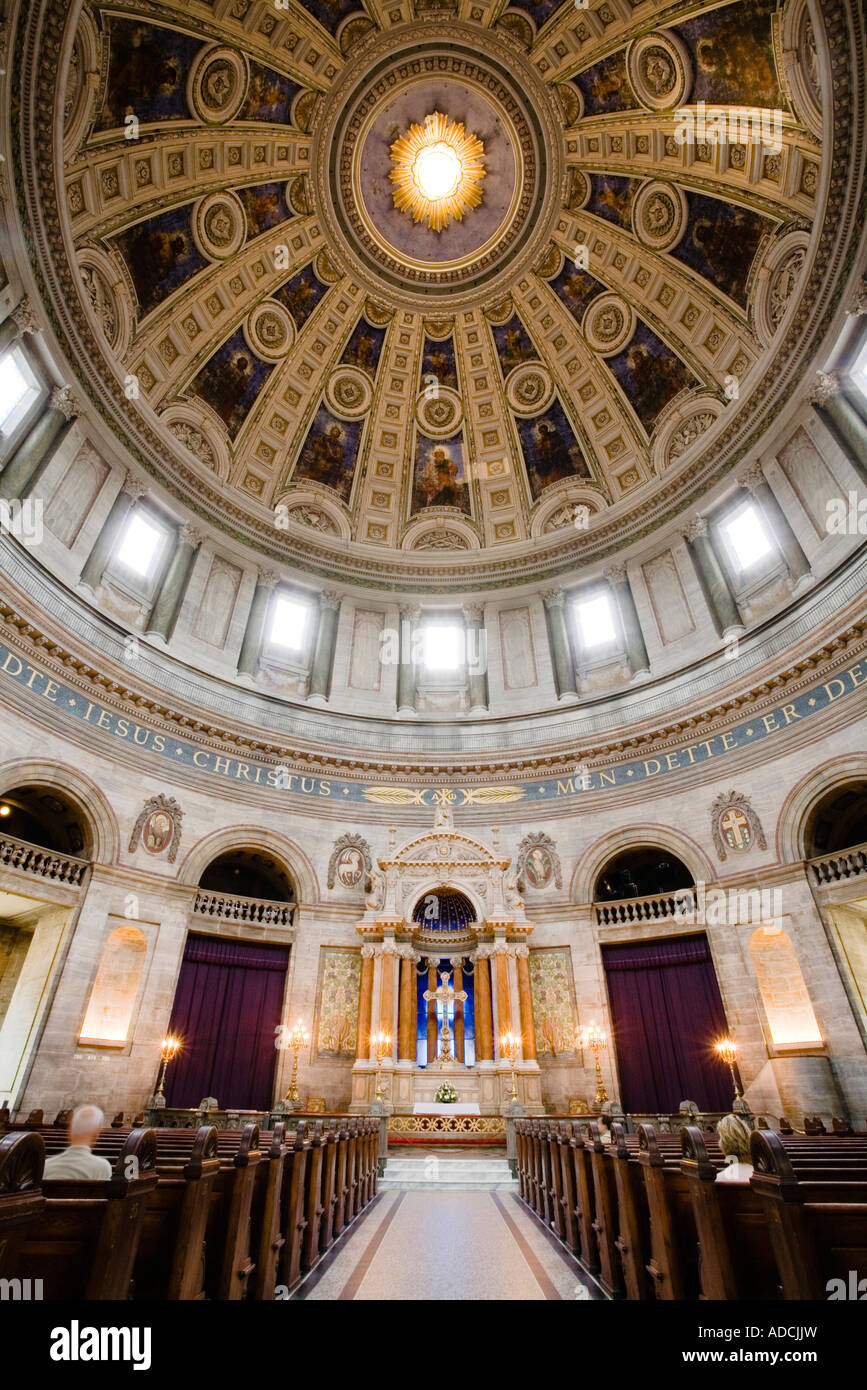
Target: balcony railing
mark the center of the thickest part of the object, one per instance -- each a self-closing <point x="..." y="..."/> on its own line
<point x="232" y="907"/>
<point x="41" y="863"/>
<point x="680" y="903"/>
<point x="840" y="867"/>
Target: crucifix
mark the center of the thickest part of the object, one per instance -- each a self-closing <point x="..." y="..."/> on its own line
<point x="736" y="828"/>
<point x="445" y="994"/>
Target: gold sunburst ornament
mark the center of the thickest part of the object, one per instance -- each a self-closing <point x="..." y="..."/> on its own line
<point x="438" y="171"/>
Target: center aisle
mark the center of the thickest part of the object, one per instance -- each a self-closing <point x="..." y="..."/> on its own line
<point x="448" y="1245"/>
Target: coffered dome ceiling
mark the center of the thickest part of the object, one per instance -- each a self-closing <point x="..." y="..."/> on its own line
<point x="590" y="318"/>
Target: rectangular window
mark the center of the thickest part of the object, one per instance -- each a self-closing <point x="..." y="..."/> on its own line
<point x="595" y="619"/>
<point x="859" y="371"/>
<point x="289" y="619"/>
<point x="443" y="647"/>
<point x="747" y="537"/>
<point x="140" y="545"/>
<point x="19" y="389"/>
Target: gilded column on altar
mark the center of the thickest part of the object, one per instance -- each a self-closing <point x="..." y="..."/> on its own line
<point x="431" y="1011"/>
<point x="365" y="1003"/>
<point x="484" y="1020"/>
<point x="458" y="983"/>
<point x="525" y="1002"/>
<point x="406" y="1025"/>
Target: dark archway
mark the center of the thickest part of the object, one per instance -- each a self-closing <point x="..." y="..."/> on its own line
<point x="444" y="910"/>
<point x="48" y="818"/>
<point x="641" y="872"/>
<point x="248" y="873"/>
<point x="838" y="821"/>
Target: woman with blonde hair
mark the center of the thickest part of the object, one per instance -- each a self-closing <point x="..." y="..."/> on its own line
<point x="734" y="1140"/>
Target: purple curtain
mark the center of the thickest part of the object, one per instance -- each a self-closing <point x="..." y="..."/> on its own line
<point x="227" y="1008"/>
<point x="667" y="1014"/>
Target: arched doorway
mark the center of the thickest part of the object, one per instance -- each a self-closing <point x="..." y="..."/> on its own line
<point x="835" y="840"/>
<point x="229" y="998"/>
<point x="838" y="821"/>
<point x="644" y="872"/>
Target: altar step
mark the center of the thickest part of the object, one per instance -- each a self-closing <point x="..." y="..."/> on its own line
<point x="473" y="1173"/>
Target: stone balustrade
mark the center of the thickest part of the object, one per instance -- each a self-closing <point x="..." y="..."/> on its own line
<point x="41" y="863"/>
<point x="653" y="909"/>
<point x="232" y="907"/>
<point x="838" y="868"/>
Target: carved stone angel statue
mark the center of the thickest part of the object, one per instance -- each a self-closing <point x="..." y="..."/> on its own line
<point x="375" y="890"/>
<point x="514" y="901"/>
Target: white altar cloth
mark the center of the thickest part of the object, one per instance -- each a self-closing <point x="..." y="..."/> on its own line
<point x="430" y="1107"/>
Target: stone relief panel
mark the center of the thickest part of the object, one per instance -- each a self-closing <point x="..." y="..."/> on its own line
<point x="217" y="604"/>
<point x="365" y="667"/>
<point x="75" y="494"/>
<point x="553" y="992"/>
<point x="670" y="606"/>
<point x="115" y="989"/>
<point x="810" y="478"/>
<point x="783" y="988"/>
<point x="337" y="1003"/>
<point x="518" y="652"/>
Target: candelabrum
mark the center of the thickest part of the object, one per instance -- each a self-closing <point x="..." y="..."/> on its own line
<point x="298" y="1038"/>
<point x="727" y="1049"/>
<point x="509" y="1046"/>
<point x="382" y="1049"/>
<point x="170" y="1047"/>
<point x="595" y="1039"/>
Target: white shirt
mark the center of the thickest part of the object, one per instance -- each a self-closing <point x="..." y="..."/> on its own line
<point x="77" y="1162"/>
<point x="735" y="1172"/>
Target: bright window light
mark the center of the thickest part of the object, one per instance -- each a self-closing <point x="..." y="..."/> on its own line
<point x="443" y="648"/>
<point x="747" y="537"/>
<point x="288" y="624"/>
<point x="859" y="371"/>
<point x="138" y="549"/>
<point x="596" y="621"/>
<point x="17" y="389"/>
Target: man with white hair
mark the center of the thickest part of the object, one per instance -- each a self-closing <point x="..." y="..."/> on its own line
<point x="77" y="1161"/>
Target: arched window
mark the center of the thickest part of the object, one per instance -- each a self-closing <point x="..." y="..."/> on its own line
<point x="642" y="872"/>
<point x="45" y="817"/>
<point x="783" y="989"/>
<point x="115" y="989"/>
<point x="248" y="873"/>
<point x="838" y="821"/>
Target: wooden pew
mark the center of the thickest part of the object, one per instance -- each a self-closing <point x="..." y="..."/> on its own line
<point x="736" y="1260"/>
<point x="293" y="1211"/>
<point x="313" y="1199"/>
<point x="633" y="1217"/>
<point x="585" y="1211"/>
<point x="673" y="1263"/>
<point x="85" y="1242"/>
<point x="171" y="1256"/>
<point x="22" y="1157"/>
<point x="269" y="1235"/>
<point x="815" y="1205"/>
<point x="563" y="1158"/>
<point x="605" y="1220"/>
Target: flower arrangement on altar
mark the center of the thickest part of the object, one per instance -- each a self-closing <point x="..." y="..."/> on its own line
<point x="446" y="1095"/>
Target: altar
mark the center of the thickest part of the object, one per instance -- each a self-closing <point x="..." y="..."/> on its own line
<point x="433" y="1108"/>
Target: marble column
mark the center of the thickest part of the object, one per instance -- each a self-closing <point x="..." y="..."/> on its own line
<point x="407" y="1025"/>
<point x="409" y="616"/>
<point x="504" y="1002"/>
<point x="484" y="1018"/>
<point x="712" y="578"/>
<point x="845" y="415"/>
<point x="256" y="619"/>
<point x="635" y="648"/>
<point x="561" y="651"/>
<point x="386" y="995"/>
<point x="477" y="654"/>
<point x="34" y="454"/>
<point x="755" y="482"/>
<point x="525" y="1003"/>
<point x="365" y="1004"/>
<point x="432" y="1029"/>
<point x="458" y="984"/>
<point x="164" y="613"/>
<point x="112" y="527"/>
<point x="20" y="321"/>
<point x="326" y="642"/>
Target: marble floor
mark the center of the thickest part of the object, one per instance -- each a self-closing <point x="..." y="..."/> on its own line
<point x="482" y="1246"/>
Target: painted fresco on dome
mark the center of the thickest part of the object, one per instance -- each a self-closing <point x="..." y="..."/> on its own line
<point x="160" y="255"/>
<point x="513" y="344"/>
<point x="605" y="86"/>
<point x="301" y="294"/>
<point x="439" y="474"/>
<point x="733" y="55"/>
<point x="551" y="451"/>
<point x="265" y="206"/>
<point x="147" y="73"/>
<point x="576" y="289"/>
<point x="438" y="359"/>
<point x="269" y="96"/>
<point x="231" y="381"/>
<point x="337" y="1011"/>
<point x="650" y="374"/>
<point x="611" y="197"/>
<point x="720" y="242"/>
<point x="540" y="11"/>
<point x="331" y="12"/>
<point x="329" y="453"/>
<point x="364" y="348"/>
